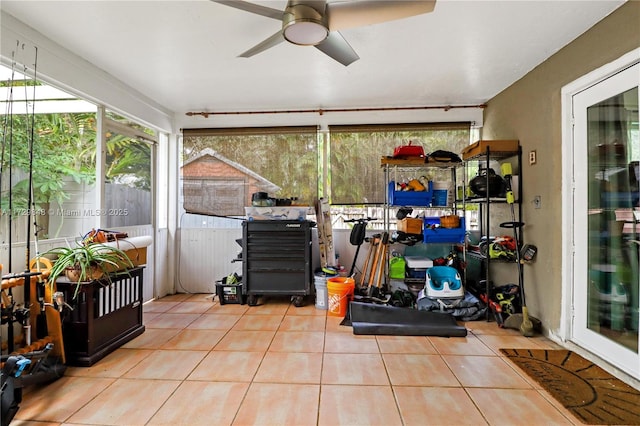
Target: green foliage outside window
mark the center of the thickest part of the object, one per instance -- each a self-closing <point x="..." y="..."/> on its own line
<point x="356" y="174"/>
<point x="296" y="162"/>
<point x="64" y="149"/>
<point x="289" y="160"/>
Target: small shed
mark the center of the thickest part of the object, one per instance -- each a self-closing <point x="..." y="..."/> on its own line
<point x="214" y="185"/>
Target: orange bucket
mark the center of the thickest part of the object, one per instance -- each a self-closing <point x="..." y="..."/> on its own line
<point x="339" y="293"/>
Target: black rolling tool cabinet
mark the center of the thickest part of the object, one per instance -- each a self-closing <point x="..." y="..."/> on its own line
<point x="276" y="259"/>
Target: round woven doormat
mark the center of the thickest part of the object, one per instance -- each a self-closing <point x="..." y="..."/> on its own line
<point x="593" y="395"/>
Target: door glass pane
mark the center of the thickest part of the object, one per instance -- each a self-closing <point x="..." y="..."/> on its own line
<point x="614" y="151"/>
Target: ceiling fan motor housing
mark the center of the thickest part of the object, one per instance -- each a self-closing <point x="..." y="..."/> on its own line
<point x="304" y="25"/>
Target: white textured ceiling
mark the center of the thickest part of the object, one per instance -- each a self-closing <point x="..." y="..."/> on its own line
<point x="183" y="54"/>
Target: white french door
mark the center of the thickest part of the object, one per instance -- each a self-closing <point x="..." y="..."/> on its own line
<point x="606" y="219"/>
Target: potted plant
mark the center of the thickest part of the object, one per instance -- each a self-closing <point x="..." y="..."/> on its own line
<point x="86" y="262"/>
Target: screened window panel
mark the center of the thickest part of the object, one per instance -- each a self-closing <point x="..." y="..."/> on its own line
<point x="355" y="174"/>
<point x="227" y="166"/>
<point x="204" y="195"/>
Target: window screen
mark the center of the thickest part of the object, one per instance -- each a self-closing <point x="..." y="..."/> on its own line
<point x="356" y="176"/>
<point x="222" y="168"/>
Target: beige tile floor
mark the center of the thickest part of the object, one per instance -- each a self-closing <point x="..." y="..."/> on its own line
<point x="202" y="363"/>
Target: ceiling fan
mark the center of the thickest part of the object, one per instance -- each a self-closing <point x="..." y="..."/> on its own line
<point x="317" y="23"/>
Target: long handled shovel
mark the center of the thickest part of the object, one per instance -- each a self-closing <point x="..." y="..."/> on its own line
<point x="384" y="242"/>
<point x="365" y="267"/>
<point x="374" y="265"/>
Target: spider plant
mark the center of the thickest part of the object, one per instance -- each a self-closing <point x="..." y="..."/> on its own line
<point x="86" y="262"/>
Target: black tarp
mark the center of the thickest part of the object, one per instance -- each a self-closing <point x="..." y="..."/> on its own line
<point x="373" y="319"/>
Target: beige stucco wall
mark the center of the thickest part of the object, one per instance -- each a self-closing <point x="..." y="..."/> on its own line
<point x="530" y="110"/>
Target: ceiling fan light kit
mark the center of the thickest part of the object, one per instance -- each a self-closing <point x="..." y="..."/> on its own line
<point x="303" y="25"/>
<point x="316" y="22"/>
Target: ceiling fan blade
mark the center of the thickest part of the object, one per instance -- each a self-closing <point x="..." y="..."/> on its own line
<point x="345" y="15"/>
<point x="253" y="8"/>
<point x="338" y="48"/>
<point x="275" y="39"/>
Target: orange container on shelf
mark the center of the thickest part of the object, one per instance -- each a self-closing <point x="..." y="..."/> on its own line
<point x="450" y="221"/>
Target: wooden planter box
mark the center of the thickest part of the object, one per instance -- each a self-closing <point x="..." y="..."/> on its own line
<point x="105" y="316"/>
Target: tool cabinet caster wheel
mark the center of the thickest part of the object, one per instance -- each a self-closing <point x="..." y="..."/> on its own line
<point x="298" y="301"/>
<point x="252" y="300"/>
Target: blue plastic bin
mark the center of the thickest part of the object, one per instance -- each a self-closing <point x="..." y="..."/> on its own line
<point x="434" y="233"/>
<point x="410" y="198"/>
<point x="440" y="197"/>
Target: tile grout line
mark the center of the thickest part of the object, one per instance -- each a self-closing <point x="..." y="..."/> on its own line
<point x="327" y="323"/>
